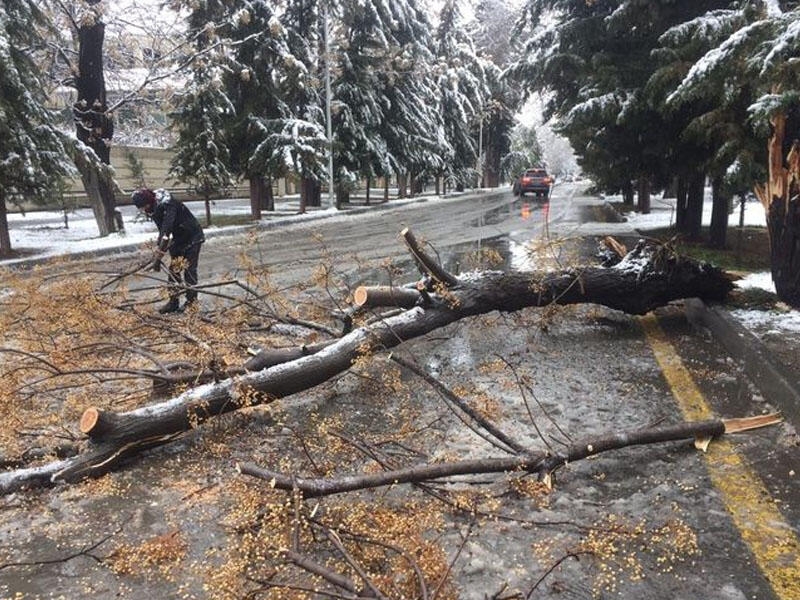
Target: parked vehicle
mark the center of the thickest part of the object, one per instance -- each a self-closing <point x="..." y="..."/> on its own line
<point x="535" y="180"/>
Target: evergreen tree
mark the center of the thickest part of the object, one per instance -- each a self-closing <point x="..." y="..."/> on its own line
<point x="32" y="156"/>
<point x="714" y="133"/>
<point x="252" y="82"/>
<point x="203" y="110"/>
<point x="596" y="62"/>
<point x="301" y="134"/>
<point x="759" y="50"/>
<point x="360" y="106"/>
<point x="413" y="129"/>
<point x="525" y="152"/>
<point x="463" y="92"/>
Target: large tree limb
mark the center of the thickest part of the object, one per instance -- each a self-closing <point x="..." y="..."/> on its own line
<point x="542" y="463"/>
<point x="645" y="279"/>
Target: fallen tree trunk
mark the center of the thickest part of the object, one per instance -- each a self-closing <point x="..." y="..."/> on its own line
<point x="646" y="278"/>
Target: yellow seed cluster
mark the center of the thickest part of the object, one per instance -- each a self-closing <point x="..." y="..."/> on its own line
<point x="157" y="555"/>
<point x="620" y="549"/>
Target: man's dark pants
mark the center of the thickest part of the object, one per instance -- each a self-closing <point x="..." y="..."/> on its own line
<point x="190" y="256"/>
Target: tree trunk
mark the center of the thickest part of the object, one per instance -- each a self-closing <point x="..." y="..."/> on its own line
<point x="627" y="193"/>
<point x="5" y="236"/>
<point x="98" y="190"/>
<point x="401" y="185"/>
<point x="438" y="185"/>
<point x="207" y="202"/>
<point x="644" y="195"/>
<point x="491" y="167"/>
<point x="386" y="188"/>
<point x="94" y="126"/>
<point x="342" y="195"/>
<point x="694" y="206"/>
<point x="719" y="214"/>
<point x="268" y="200"/>
<point x="369" y="185"/>
<point x="114" y="436"/>
<point x="681" y="204"/>
<point x="311" y="192"/>
<point x="780" y="196"/>
<point x="256" y="196"/>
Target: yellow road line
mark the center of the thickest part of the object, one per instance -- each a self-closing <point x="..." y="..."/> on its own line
<point x="771" y="540"/>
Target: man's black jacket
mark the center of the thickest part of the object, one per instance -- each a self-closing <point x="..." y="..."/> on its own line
<point x="173" y="219"/>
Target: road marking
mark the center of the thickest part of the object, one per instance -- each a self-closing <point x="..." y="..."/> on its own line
<point x="770" y="538"/>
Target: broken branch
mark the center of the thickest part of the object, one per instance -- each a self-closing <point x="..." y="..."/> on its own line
<point x="542" y="463"/>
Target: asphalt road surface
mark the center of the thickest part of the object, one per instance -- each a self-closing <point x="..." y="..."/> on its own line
<point x="721" y="525"/>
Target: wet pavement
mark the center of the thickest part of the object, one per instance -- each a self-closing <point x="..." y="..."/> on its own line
<point x="648" y="522"/>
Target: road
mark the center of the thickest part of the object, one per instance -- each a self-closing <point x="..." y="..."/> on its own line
<point x="654" y="358"/>
<point x="659" y="522"/>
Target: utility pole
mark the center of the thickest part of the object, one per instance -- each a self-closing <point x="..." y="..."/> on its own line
<point x="326" y="35"/>
<point x="480" y="150"/>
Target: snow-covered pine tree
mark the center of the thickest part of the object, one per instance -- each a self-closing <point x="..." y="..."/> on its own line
<point x="525" y="152"/>
<point x="413" y="129"/>
<point x="595" y="60"/>
<point x="491" y="30"/>
<point x="203" y="111"/>
<point x="359" y="106"/>
<point x="252" y="82"/>
<point x="712" y="131"/>
<point x="300" y="134"/>
<point x="32" y="156"/>
<point x="762" y="51"/>
<point x="463" y="92"/>
<point x="499" y="120"/>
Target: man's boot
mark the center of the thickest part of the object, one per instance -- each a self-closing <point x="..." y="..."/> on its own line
<point x="191" y="300"/>
<point x="170" y="307"/>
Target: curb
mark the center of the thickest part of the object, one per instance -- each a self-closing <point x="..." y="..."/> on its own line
<point x="773" y="380"/>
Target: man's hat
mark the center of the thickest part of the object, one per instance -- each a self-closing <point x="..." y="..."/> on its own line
<point x="143" y="198"/>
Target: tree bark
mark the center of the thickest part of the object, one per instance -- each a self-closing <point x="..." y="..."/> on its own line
<point x="543" y="463"/>
<point x="311" y="192"/>
<point x="718" y="230"/>
<point x="268" y="200"/>
<point x="780" y="196"/>
<point x="627" y="193"/>
<point x="95" y="128"/>
<point x="491" y="169"/>
<point x="681" y="206"/>
<point x="256" y="196"/>
<point x="207" y="204"/>
<point x="401" y="185"/>
<point x="644" y="195"/>
<point x="5" y="236"/>
<point x="694" y="206"/>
